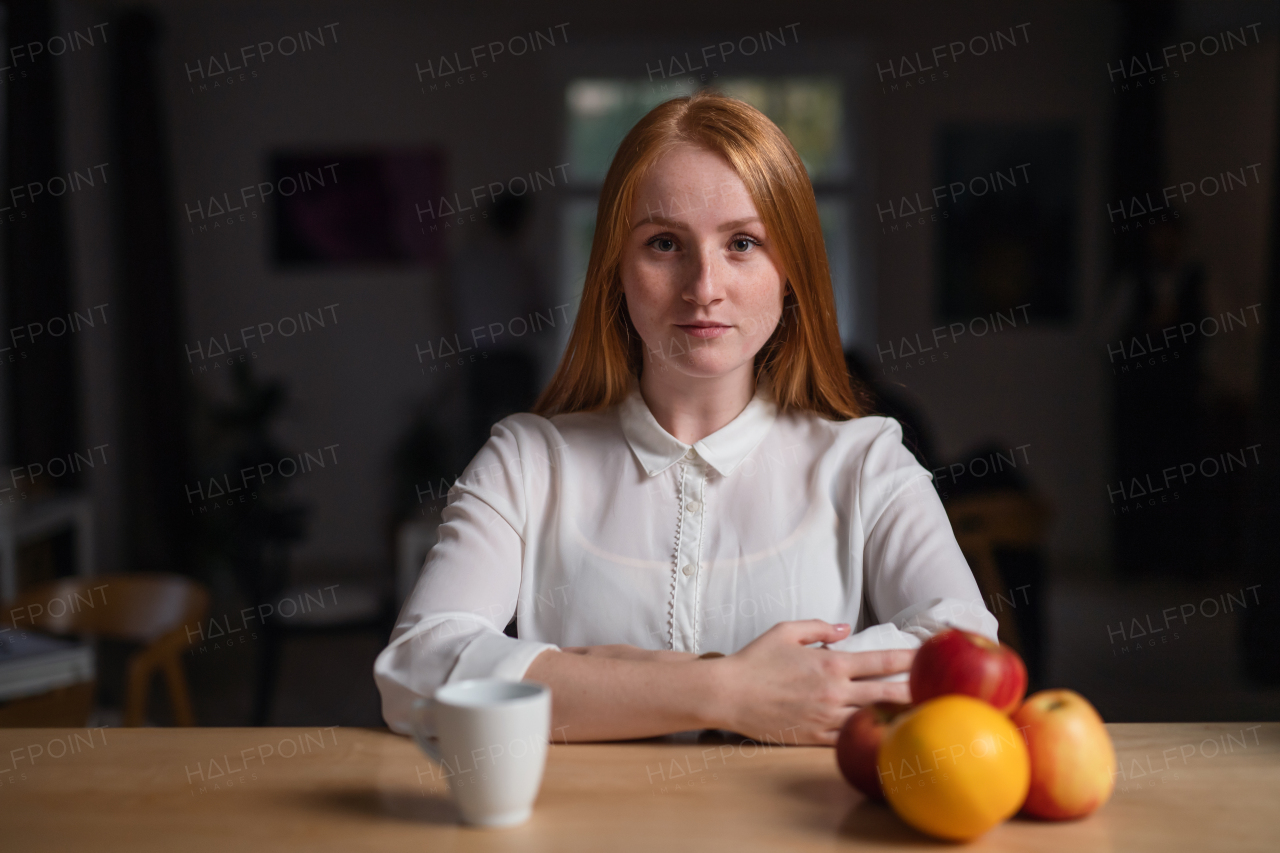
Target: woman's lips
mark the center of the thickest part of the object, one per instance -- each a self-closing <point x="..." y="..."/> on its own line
<point x="701" y="331"/>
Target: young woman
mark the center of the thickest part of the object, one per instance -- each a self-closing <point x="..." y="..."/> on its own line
<point x="698" y="477"/>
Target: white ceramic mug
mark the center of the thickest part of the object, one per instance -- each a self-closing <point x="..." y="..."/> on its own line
<point x="490" y="741"/>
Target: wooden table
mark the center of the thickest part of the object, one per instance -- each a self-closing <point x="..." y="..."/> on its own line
<point x="1184" y="787"/>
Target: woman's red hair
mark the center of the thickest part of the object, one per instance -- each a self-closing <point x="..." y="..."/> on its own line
<point x="803" y="358"/>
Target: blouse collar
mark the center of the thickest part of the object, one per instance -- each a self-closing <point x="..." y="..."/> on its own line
<point x="724" y="449"/>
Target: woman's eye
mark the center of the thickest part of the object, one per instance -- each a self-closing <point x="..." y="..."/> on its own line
<point x="743" y="244"/>
<point x="663" y="244"/>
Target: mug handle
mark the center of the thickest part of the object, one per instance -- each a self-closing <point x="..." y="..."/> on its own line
<point x="420" y="713"/>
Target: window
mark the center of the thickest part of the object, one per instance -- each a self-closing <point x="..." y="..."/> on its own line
<point x="809" y="110"/>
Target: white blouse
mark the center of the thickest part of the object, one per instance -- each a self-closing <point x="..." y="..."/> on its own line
<point x="599" y="528"/>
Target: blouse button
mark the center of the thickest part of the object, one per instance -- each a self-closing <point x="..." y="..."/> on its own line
<point x="693" y="506"/>
<point x="687" y="570"/>
<point x="690" y="454"/>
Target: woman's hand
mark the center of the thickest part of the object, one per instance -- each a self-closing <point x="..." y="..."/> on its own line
<point x="622" y="651"/>
<point x="778" y="688"/>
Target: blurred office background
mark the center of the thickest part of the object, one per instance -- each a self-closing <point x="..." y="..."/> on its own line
<point x="271" y="269"/>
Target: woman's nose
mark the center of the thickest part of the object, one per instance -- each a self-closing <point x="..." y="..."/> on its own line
<point x="706" y="277"/>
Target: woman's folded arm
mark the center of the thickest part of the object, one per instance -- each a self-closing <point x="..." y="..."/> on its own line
<point x="917" y="581"/>
<point x="451" y="627"/>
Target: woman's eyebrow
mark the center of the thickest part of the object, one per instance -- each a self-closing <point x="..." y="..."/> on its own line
<point x="660" y="220"/>
<point x="672" y="223"/>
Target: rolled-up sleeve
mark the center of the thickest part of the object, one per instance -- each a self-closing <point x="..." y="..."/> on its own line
<point x="916" y="579"/>
<point x="451" y="626"/>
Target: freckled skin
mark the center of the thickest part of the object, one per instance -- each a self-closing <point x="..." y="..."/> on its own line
<point x="699" y="266"/>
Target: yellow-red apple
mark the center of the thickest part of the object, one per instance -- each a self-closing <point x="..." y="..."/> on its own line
<point x="1073" y="763"/>
<point x="858" y="746"/>
<point x="962" y="662"/>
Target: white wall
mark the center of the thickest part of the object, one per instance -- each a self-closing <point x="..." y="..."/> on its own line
<point x="1044" y="385"/>
<point x="352" y="384"/>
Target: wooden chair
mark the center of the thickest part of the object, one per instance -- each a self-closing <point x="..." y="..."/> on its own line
<point x="154" y="610"/>
<point x="985" y="522"/>
<point x="64" y="708"/>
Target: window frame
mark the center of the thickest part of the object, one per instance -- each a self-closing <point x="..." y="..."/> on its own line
<point x="841" y="60"/>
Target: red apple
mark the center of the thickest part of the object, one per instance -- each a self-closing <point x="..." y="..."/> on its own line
<point x="858" y="747"/>
<point x="962" y="662"/>
<point x="1073" y="764"/>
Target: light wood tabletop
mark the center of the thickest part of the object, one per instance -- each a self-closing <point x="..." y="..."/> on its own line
<point x="1182" y="787"/>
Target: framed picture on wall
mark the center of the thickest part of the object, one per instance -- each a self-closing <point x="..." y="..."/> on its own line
<point x="345" y="208"/>
<point x="1011" y="233"/>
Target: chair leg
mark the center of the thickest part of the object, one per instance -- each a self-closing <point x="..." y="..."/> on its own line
<point x="135" y="703"/>
<point x="268" y="671"/>
<point x="988" y="577"/>
<point x="179" y="696"/>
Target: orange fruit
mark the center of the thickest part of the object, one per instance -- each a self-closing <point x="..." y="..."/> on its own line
<point x="954" y="767"/>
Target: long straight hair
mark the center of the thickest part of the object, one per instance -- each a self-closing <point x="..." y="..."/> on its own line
<point x="802" y="359"/>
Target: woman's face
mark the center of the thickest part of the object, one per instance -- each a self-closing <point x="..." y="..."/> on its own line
<point x="702" y="285"/>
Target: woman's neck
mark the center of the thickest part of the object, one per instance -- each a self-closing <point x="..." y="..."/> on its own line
<point x="692" y="408"/>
